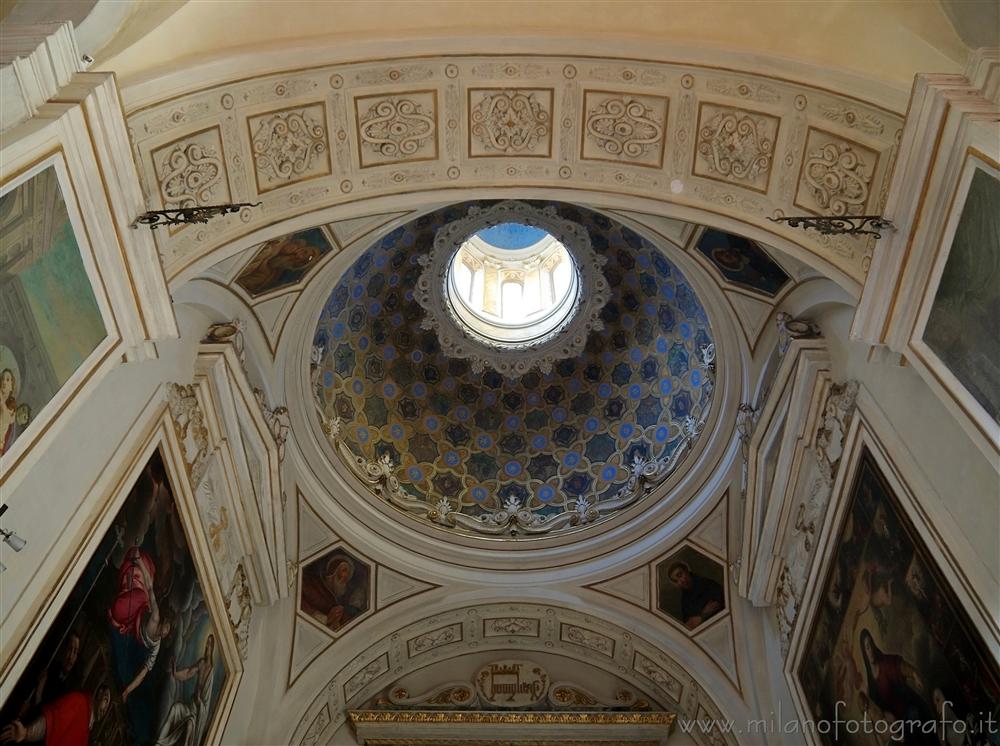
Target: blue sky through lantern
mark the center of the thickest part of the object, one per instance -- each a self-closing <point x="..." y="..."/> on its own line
<point x="511" y="236"/>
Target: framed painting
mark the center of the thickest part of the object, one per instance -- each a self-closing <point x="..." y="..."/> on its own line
<point x="957" y="334"/>
<point x="690" y="587"/>
<point x="335" y="589"/>
<point x="282" y="262"/>
<point x="890" y="648"/>
<point x="141" y="650"/>
<point x="58" y="326"/>
<point x="742" y="263"/>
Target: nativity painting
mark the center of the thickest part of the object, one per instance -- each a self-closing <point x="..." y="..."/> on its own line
<point x="51" y="318"/>
<point x="335" y="589"/>
<point x="132" y="658"/>
<point x="891" y="644"/>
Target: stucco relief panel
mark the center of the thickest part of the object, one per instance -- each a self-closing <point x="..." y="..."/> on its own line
<point x="588" y="639"/>
<point x="624" y="127"/>
<point x="510" y="122"/>
<point x="397" y="128"/>
<point x="434" y="639"/>
<point x="191" y="170"/>
<point x="836" y="175"/>
<point x="658" y="675"/>
<point x="735" y="145"/>
<point x="511" y="626"/>
<point x="289" y="145"/>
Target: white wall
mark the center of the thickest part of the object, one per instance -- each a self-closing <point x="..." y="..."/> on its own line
<point x="61" y="493"/>
<point x="967" y="486"/>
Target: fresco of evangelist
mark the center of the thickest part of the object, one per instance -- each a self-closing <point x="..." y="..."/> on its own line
<point x="132" y="656"/>
<point x="335" y="589"/>
<point x="742" y="262"/>
<point x="690" y="587"/>
<point x="51" y="321"/>
<point x="282" y="262"/>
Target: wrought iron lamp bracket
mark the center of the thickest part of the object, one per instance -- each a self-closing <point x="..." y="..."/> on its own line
<point x="188" y="215"/>
<point x="844" y="225"/>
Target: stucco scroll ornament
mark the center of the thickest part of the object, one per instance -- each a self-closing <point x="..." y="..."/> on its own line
<point x="790" y="328"/>
<point x="838" y="411"/>
<point x="734" y="144"/>
<point x="509" y="121"/>
<point x="452" y="695"/>
<point x="229" y="332"/>
<point x="277" y="420"/>
<point x="837" y="415"/>
<point x="512" y="359"/>
<point x="239" y="598"/>
<point x="189" y="424"/>
<point x="511" y="685"/>
<point x="624" y="126"/>
<point x="395" y="128"/>
<point x="287" y="144"/>
<point x="189" y="175"/>
<point x="838" y="178"/>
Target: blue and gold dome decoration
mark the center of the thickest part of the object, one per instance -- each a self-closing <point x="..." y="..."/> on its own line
<point x="537" y="452"/>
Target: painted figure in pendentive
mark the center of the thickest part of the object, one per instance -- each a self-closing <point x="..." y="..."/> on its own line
<point x="67" y="721"/>
<point x="185" y="722"/>
<point x="701" y="597"/>
<point x="330" y="597"/>
<point x="280" y="262"/>
<point x="135" y="613"/>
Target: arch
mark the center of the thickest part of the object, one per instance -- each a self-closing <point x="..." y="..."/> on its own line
<point x="816" y="151"/>
<point x="639" y="654"/>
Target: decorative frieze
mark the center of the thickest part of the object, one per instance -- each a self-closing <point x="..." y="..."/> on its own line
<point x="430" y="117"/>
<point x="366" y="676"/>
<point x="434" y="639"/>
<point x="510" y="627"/>
<point x="189" y="423"/>
<point x="588" y="639"/>
<point x="658" y="675"/>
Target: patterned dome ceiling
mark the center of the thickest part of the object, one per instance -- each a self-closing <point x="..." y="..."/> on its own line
<point x="486" y="453"/>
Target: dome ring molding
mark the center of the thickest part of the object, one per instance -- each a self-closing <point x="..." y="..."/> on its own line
<point x="689" y="489"/>
<point x="568" y="337"/>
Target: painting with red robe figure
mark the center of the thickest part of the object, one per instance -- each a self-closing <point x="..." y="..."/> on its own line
<point x="132" y="657"/>
<point x="891" y="645"/>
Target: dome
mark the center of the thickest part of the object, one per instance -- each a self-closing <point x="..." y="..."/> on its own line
<point x="521" y="454"/>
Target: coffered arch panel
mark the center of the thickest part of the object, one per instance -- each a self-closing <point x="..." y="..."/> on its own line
<point x="638" y="654"/>
<point x="688" y="141"/>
